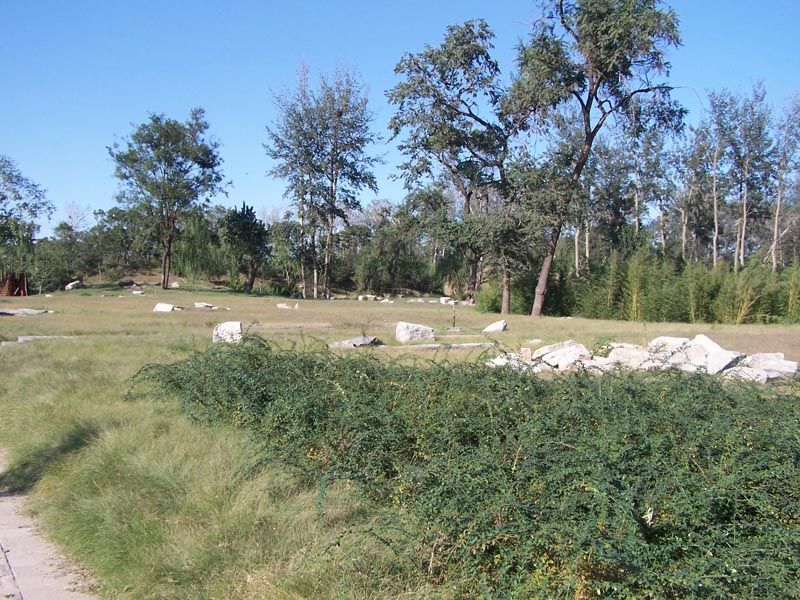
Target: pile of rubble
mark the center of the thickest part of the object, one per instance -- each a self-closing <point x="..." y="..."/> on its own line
<point x="697" y="355"/>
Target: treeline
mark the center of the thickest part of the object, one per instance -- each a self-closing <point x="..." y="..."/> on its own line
<point x="570" y="186"/>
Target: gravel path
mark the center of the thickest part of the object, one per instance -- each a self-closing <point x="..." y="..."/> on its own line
<point x="30" y="568"/>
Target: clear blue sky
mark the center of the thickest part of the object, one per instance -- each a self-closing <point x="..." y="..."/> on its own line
<point x="77" y="75"/>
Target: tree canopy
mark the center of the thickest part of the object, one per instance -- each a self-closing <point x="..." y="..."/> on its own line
<point x="167" y="167"/>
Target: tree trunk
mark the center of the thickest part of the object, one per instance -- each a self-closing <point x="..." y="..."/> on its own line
<point x="775" y="226"/>
<point x="544" y="272"/>
<point x="662" y="227"/>
<point x="577" y="251"/>
<point x="744" y="221"/>
<point x="251" y="277"/>
<point x="326" y="278"/>
<point x="715" y="238"/>
<point x="505" y="305"/>
<point x="166" y="262"/>
<point x="586" y="245"/>
<point x="472" y="280"/>
<point x="684" y="228"/>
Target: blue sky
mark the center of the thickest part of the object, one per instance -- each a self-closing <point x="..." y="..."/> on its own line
<point x="78" y="75"/>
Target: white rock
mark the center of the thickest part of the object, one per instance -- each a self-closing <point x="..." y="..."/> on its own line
<point x="48" y="295"/>
<point x="566" y="357"/>
<point x="23" y="312"/>
<point x="746" y="374"/>
<point x="540" y="352"/>
<point x="174" y="285"/>
<point x="631" y="358"/>
<point x="283" y="306"/>
<point x="444" y="299"/>
<point x="707" y="356"/>
<point x="137" y="292"/>
<point x="496" y="327"/>
<point x="74" y="285"/>
<point x="228" y="332"/>
<point x="356" y="342"/>
<point x="163" y="307"/>
<point x="204" y="305"/>
<point x="411" y="332"/>
<point x="773" y="364"/>
<point x="432" y="301"/>
<point x="665" y="346"/>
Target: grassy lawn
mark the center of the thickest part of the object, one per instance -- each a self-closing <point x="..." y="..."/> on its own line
<point x="159" y="507"/>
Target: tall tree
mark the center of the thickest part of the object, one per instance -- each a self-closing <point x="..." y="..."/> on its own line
<point x="320" y="143"/>
<point x="169" y="167"/>
<point x="248" y="238"/>
<point x="787" y="145"/>
<point x="744" y="127"/>
<point x="597" y="56"/>
<point x="450" y="107"/>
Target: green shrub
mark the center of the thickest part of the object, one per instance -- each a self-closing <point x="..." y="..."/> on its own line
<point x="626" y="485"/>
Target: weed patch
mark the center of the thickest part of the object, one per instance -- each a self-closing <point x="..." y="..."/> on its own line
<point x="629" y="485"/>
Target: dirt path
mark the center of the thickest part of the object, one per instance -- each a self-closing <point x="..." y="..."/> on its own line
<point x="30" y="568"/>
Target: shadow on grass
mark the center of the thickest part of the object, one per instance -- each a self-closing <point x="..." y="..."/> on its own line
<point x="29" y="467"/>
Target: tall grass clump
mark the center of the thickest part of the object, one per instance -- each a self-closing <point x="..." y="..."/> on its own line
<point x="504" y="485"/>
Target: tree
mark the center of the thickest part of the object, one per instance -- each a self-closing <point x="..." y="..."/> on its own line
<point x="787" y="145"/>
<point x="21" y="202"/>
<point x="248" y="238"/>
<point x="169" y="167"/>
<point x="597" y="56"/>
<point x="450" y="106"/>
<point x="743" y="124"/>
<point x="319" y="142"/>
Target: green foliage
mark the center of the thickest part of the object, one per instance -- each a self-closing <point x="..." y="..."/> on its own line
<point x="247" y="237"/>
<point x="168" y="167"/>
<point x="626" y="485"/>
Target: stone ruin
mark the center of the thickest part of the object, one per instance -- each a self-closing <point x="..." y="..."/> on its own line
<point x="697" y="355"/>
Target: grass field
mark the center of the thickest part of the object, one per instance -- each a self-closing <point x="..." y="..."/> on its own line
<point x="158" y="507"/>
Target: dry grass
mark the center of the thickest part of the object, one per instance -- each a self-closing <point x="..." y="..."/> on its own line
<point x="160" y="508"/>
<point x="324" y="321"/>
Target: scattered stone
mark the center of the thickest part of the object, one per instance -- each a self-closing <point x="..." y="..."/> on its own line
<point x="387" y="301"/>
<point x="357" y="342"/>
<point x="228" y="332"/>
<point x="48" y="295"/>
<point x="23" y="312"/>
<point x="773" y="364"/>
<point x="746" y="374"/>
<point x="540" y="352"/>
<point x="175" y="285"/>
<point x="163" y="307"/>
<point x="24" y="339"/>
<point x="74" y="285"/>
<point x="698" y="355"/>
<point x="284" y="306"/>
<point x="433" y="301"/>
<point x="416" y="301"/>
<point x="496" y="327"/>
<point x="631" y="356"/>
<point x="703" y="354"/>
<point x="452" y="330"/>
<point x="665" y="346"/>
<point x="137" y="293"/>
<point x="411" y="332"/>
<point x="567" y="357"/>
<point x="204" y="305"/>
<point x="366" y="298"/>
<point x="444" y="299"/>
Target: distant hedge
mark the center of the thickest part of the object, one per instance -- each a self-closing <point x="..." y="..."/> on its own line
<point x="627" y="485"/>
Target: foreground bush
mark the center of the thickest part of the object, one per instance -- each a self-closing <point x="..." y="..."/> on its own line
<point x="662" y="486"/>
